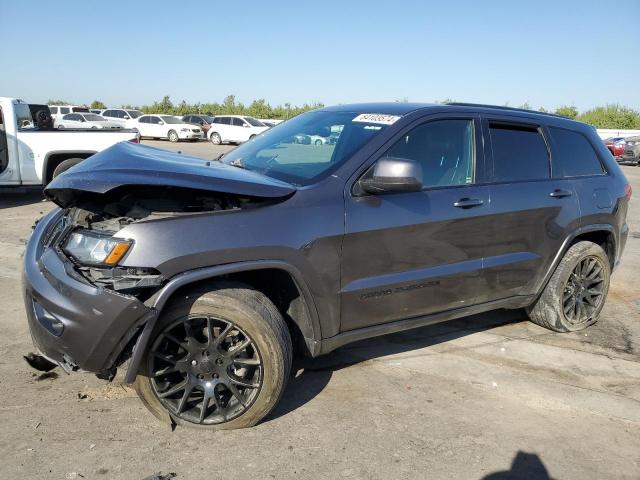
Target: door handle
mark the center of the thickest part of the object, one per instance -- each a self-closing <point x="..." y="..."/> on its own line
<point x="468" y="203"/>
<point x="557" y="193"/>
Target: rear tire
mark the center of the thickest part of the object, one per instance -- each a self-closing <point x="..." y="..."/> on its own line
<point x="65" y="165"/>
<point x="173" y="136"/>
<point x="215" y="138"/>
<point x="576" y="292"/>
<point x="205" y="362"/>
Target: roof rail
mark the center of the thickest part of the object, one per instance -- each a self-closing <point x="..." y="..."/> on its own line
<point x="498" y="107"/>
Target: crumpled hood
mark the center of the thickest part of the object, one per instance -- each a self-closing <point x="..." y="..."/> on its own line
<point x="130" y="164"/>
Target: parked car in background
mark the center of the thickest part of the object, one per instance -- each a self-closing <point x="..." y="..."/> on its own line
<point x="59" y="111"/>
<point x="418" y="214"/>
<point x="41" y="116"/>
<point x="631" y="155"/>
<point x="167" y="126"/>
<point x="124" y="118"/>
<point x="234" y="129"/>
<point x="203" y="121"/>
<point x="615" y="145"/>
<point x="97" y="111"/>
<point x="32" y="153"/>
<point x="86" y="120"/>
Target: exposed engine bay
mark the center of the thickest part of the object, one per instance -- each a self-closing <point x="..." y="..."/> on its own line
<point x="107" y="214"/>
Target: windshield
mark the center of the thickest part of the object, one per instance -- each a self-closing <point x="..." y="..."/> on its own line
<point x="134" y="113"/>
<point x="170" y="119"/>
<point x="90" y="117"/>
<point x="23" y="116"/>
<point x="306" y="148"/>
<point x="254" y="122"/>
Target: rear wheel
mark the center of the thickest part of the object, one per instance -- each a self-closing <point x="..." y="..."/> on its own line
<point x="219" y="359"/>
<point x="576" y="293"/>
<point x="65" y="165"/>
<point x="173" y="136"/>
<point x="215" y="138"/>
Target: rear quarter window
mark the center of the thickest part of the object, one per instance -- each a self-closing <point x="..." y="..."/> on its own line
<point x="573" y="154"/>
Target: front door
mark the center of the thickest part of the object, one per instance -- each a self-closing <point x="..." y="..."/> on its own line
<point x="416" y="253"/>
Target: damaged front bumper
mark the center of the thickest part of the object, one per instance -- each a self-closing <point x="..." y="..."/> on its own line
<point x="72" y="322"/>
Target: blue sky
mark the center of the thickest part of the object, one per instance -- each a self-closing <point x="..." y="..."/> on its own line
<point x="546" y="53"/>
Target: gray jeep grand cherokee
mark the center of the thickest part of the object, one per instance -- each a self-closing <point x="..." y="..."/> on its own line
<point x="199" y="276"/>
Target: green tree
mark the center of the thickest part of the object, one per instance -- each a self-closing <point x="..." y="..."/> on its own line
<point x="97" y="104"/>
<point x="58" y="102"/>
<point x="611" y="116"/>
<point x="567" y="111"/>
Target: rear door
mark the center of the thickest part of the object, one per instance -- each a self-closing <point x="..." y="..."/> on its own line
<point x="532" y="212"/>
<point x="416" y="253"/>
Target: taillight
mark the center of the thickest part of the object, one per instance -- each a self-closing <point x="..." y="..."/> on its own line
<point x="135" y="140"/>
<point x="628" y="191"/>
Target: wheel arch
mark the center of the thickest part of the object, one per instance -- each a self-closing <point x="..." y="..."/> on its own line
<point x="301" y="314"/>
<point x="55" y="158"/>
<point x="602" y="234"/>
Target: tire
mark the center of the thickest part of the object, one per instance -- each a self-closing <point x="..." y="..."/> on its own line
<point x="173" y="136"/>
<point x="559" y="307"/>
<point x="318" y="142"/>
<point x="251" y="317"/>
<point x="215" y="138"/>
<point x="65" y="165"/>
<point x="60" y="127"/>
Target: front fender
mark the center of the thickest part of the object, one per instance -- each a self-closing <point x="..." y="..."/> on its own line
<point x="311" y="331"/>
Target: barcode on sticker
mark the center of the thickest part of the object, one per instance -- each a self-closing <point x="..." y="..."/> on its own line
<point x="377" y="118"/>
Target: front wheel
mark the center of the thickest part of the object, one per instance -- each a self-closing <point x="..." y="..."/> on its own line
<point x="173" y="136"/>
<point x="576" y="292"/>
<point x="216" y="139"/>
<point x="218" y="359"/>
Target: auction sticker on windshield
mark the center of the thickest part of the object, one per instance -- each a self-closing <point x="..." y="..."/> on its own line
<point x="376" y="118"/>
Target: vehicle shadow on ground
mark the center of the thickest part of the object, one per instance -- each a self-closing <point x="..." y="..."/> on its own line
<point x="11" y="200"/>
<point x="311" y="375"/>
<point x="527" y="466"/>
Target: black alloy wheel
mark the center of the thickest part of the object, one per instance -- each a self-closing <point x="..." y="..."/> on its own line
<point x="205" y="370"/>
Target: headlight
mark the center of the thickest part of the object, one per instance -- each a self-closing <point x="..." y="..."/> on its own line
<point x="92" y="248"/>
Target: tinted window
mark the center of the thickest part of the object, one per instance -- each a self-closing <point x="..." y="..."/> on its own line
<point x="445" y="149"/>
<point x="107" y="113"/>
<point x="54" y="110"/>
<point x="217" y="120"/>
<point x="154" y="120"/>
<point x="519" y="153"/>
<point x="226" y="120"/>
<point x="64" y="110"/>
<point x="237" y="122"/>
<point x="573" y="155"/>
<point x="80" y="109"/>
<point x="143" y="120"/>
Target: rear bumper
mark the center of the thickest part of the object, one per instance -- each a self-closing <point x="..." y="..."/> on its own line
<point x="72" y="322"/>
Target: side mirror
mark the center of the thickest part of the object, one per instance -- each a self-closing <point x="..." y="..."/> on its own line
<point x="246" y="125"/>
<point x="160" y="122"/>
<point x="391" y="174"/>
<point x="126" y="117"/>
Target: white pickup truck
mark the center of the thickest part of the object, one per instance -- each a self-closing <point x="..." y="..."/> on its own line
<point x="30" y="155"/>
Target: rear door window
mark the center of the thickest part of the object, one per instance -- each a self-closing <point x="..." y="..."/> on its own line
<point x="54" y="110"/>
<point x="573" y="155"/>
<point x="519" y="152"/>
<point x="237" y="122"/>
<point x="64" y="110"/>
